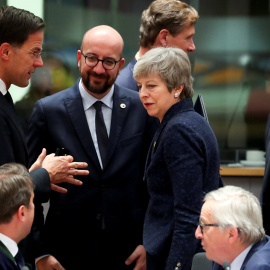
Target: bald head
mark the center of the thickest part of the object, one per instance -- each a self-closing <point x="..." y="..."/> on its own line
<point x="106" y="37"/>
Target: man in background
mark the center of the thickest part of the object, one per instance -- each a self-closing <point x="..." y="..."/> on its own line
<point x="98" y="225"/>
<point x="231" y="230"/>
<point x="166" y="23"/>
<point x="16" y="213"/>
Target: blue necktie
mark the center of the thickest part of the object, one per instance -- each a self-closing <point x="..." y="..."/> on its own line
<point x="19" y="260"/>
<point x="101" y="131"/>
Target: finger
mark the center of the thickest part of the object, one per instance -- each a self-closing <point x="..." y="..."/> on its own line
<point x="77" y="172"/>
<point x="73" y="181"/>
<point x="58" y="189"/>
<point x="78" y="165"/>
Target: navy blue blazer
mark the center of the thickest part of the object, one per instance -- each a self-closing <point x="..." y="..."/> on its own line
<point x="125" y="78"/>
<point x="257" y="258"/>
<point x="110" y="201"/>
<point x="7" y="261"/>
<point x="265" y="193"/>
<point x="182" y="166"/>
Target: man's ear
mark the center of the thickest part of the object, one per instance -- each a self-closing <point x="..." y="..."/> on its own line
<point x="233" y="234"/>
<point x="21" y="213"/>
<point x="163" y="37"/>
<point x="121" y="64"/>
<point x="5" y="51"/>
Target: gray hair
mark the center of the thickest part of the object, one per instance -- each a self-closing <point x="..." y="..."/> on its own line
<point x="172" y="65"/>
<point x="16" y="188"/>
<point x="238" y="208"/>
<point x="172" y="15"/>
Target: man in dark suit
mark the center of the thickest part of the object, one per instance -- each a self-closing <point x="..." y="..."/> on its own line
<point x="97" y="225"/>
<point x="165" y="23"/>
<point x="231" y="230"/>
<point x="16" y="213"/>
<point x="21" y="37"/>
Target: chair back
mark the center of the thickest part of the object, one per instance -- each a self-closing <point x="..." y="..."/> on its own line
<point x="200" y="262"/>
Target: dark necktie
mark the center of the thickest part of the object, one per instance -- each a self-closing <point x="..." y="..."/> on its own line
<point x="8" y="98"/>
<point x="19" y="260"/>
<point x="102" y="135"/>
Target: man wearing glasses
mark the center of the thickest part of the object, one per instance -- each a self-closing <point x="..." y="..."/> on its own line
<point x="99" y="225"/>
<point x="231" y="230"/>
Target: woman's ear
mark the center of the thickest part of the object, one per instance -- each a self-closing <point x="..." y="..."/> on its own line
<point x="178" y="90"/>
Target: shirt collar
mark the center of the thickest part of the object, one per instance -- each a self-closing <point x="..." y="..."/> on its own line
<point x="238" y="261"/>
<point x="88" y="100"/>
<point x="10" y="244"/>
<point x="3" y="88"/>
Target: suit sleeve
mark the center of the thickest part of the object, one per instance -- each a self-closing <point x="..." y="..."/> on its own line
<point x="41" y="180"/>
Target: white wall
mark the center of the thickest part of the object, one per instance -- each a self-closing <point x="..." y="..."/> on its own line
<point x="37" y="7"/>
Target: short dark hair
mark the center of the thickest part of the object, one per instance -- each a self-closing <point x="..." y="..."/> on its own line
<point x="172" y="15"/>
<point x="16" y="188"/>
<point x="17" y="24"/>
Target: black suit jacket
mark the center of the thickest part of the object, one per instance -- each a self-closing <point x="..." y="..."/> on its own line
<point x="13" y="148"/>
<point x="98" y="224"/>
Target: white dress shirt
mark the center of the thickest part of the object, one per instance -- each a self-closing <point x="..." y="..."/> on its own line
<point x="90" y="113"/>
<point x="10" y="244"/>
<point x="3" y="88"/>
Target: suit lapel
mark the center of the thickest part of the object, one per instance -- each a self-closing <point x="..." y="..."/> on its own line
<point x="74" y="106"/>
<point x="121" y="104"/>
<point x="5" y="250"/>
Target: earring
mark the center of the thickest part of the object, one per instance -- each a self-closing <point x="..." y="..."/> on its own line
<point x="175" y="95"/>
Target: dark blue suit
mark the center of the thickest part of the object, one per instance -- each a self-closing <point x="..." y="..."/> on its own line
<point x="99" y="224"/>
<point x="265" y="194"/>
<point x="125" y="78"/>
<point x="182" y="166"/>
<point x="7" y="261"/>
<point x="257" y="258"/>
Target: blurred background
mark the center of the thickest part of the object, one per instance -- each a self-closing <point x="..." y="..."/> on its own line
<point x="231" y="64"/>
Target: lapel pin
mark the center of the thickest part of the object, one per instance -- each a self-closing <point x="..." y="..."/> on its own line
<point x="123" y="106"/>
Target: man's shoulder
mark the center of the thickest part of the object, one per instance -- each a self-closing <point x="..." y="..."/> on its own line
<point x="5" y="262"/>
<point x="125" y="78"/>
<point x="259" y="255"/>
<point x="54" y="98"/>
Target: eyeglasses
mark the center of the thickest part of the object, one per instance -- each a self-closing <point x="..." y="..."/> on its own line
<point x="206" y="225"/>
<point x="36" y="55"/>
<point x="92" y="61"/>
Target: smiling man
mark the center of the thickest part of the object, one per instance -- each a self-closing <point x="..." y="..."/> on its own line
<point x="165" y="23"/>
<point x="231" y="230"/>
<point x="107" y="126"/>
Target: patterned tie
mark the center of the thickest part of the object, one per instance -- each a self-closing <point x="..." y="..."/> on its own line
<point x="19" y="260"/>
<point x="101" y="131"/>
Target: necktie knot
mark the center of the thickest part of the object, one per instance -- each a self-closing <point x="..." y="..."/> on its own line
<point x="8" y="98"/>
<point x="97" y="105"/>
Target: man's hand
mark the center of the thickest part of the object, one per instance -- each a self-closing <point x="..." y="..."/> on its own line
<point x="61" y="169"/>
<point x="138" y="255"/>
<point x="49" y="263"/>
